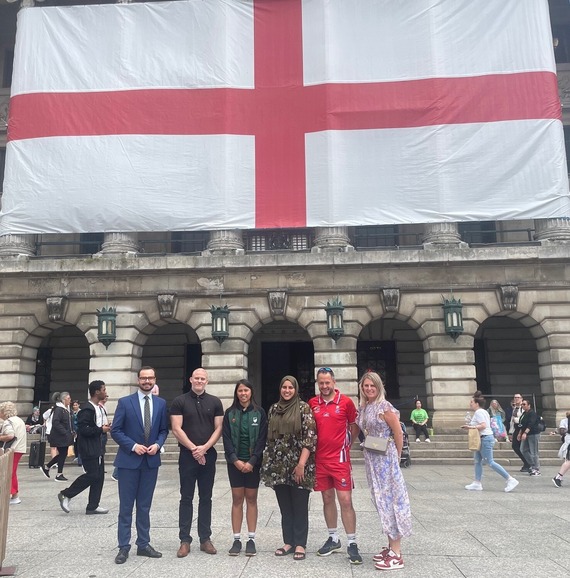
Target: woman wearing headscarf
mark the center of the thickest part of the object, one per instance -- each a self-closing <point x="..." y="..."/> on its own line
<point x="61" y="436"/>
<point x="13" y="434"/>
<point x="289" y="465"/>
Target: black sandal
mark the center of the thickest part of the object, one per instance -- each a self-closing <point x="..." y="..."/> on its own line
<point x="299" y="555"/>
<point x="283" y="552"/>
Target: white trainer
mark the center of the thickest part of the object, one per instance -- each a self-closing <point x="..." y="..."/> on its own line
<point x="474" y="486"/>
<point x="511" y="484"/>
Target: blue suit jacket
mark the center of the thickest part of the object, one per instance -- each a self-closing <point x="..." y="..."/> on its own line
<point x="128" y="429"/>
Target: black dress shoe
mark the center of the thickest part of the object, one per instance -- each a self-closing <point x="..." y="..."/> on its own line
<point x="149" y="552"/>
<point x="122" y="556"/>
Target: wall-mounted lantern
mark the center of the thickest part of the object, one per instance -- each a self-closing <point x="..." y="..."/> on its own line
<point x="335" y="326"/>
<point x="453" y="317"/>
<point x="220" y="323"/>
<point x="107" y="325"/>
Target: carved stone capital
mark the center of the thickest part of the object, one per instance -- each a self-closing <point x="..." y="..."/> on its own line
<point x="119" y="244"/>
<point x="332" y="240"/>
<point x="225" y="242"/>
<point x="277" y="303"/>
<point x="390" y="299"/>
<point x="17" y="245"/>
<point x="437" y="234"/>
<point x="56" y="308"/>
<point x="552" y="230"/>
<point x="166" y="304"/>
<point x="509" y="297"/>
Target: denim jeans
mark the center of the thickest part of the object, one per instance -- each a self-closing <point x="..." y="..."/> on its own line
<point x="485" y="454"/>
<point x="529" y="449"/>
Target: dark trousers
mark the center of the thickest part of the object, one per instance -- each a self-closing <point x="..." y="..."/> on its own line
<point x="93" y="479"/>
<point x="294" y="506"/>
<point x="59" y="459"/>
<point x="516" y="445"/>
<point x="136" y="487"/>
<point x="191" y="472"/>
<point x="421" y="429"/>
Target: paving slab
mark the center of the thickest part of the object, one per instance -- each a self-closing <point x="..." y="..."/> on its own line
<point x="456" y="533"/>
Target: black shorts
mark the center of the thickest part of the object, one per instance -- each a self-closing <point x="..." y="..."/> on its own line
<point x="241" y="480"/>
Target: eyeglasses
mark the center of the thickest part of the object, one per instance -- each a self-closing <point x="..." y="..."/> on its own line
<point x="325" y="370"/>
<point x="147" y="378"/>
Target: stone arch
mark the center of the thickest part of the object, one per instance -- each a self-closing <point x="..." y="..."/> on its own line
<point x="173" y="348"/>
<point x="392" y="346"/>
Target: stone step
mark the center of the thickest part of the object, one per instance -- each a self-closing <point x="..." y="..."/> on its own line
<point x="445" y="449"/>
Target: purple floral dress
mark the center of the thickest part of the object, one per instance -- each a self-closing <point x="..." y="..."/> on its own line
<point x="383" y="473"/>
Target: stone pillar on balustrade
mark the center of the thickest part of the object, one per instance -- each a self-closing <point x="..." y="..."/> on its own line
<point x="119" y="244"/>
<point x="331" y="240"/>
<point x="438" y="235"/>
<point x="552" y="230"/>
<point x="225" y="242"/>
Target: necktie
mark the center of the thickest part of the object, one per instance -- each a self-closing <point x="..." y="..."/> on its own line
<point x="147" y="423"/>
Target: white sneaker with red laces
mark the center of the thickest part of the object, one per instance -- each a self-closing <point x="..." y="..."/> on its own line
<point x="390" y="562"/>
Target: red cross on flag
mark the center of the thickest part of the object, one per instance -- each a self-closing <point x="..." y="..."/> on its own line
<point x="221" y="114"/>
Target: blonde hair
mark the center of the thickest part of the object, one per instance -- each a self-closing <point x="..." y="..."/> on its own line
<point x="378" y="384"/>
<point x="8" y="409"/>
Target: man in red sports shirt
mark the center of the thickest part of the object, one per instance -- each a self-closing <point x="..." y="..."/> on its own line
<point x="335" y="416"/>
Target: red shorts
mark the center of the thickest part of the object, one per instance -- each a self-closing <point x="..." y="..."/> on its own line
<point x="334" y="475"/>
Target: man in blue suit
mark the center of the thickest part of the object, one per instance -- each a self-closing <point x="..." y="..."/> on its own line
<point x="140" y="428"/>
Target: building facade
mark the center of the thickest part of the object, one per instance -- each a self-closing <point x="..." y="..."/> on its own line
<point x="512" y="277"/>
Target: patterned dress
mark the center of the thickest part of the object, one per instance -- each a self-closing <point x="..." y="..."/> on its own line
<point x="384" y="476"/>
<point x="282" y="454"/>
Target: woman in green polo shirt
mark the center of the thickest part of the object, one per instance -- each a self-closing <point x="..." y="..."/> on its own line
<point x="244" y="433"/>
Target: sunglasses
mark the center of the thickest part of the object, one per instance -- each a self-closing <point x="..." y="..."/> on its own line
<point x="325" y="370"/>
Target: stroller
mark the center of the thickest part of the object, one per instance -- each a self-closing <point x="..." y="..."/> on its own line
<point x="405" y="460"/>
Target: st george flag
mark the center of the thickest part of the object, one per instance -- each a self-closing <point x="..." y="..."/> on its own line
<point x="220" y="114"/>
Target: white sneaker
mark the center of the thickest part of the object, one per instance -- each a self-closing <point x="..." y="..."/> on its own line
<point x="14" y="501"/>
<point x="475" y="486"/>
<point x="418" y="440"/>
<point x="428" y="441"/>
<point x="511" y="484"/>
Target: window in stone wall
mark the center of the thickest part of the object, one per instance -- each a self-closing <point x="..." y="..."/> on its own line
<point x="376" y="236"/>
<point x="478" y="232"/>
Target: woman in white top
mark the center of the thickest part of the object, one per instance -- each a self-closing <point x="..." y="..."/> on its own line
<point x="13" y="427"/>
<point x="482" y="422"/>
<point x="563" y="428"/>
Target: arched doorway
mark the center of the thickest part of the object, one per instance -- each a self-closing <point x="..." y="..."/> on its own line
<point x="174" y="350"/>
<point x="62" y="364"/>
<point x="393" y="349"/>
<point x="506" y="360"/>
<point x="281" y="348"/>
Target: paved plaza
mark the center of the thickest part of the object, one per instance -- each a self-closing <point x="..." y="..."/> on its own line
<point x="456" y="533"/>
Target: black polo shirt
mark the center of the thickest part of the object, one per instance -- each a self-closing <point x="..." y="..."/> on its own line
<point x="198" y="413"/>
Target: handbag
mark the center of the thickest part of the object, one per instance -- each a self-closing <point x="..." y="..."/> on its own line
<point x="474" y="440"/>
<point x="375" y="444"/>
<point x="498" y="428"/>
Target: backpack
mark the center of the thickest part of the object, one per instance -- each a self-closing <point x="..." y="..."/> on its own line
<point x="541" y="425"/>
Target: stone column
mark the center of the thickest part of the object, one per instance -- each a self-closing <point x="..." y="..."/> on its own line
<point x="120" y="243"/>
<point x="332" y="240"/>
<point x="436" y="234"/>
<point x="17" y="245"/>
<point x="552" y="230"/>
<point x="450" y="380"/>
<point x="225" y="242"/>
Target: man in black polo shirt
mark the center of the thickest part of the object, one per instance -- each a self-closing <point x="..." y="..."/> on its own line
<point x="196" y="419"/>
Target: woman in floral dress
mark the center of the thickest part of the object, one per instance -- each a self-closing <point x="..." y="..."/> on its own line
<point x="289" y="465"/>
<point x="378" y="417"/>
